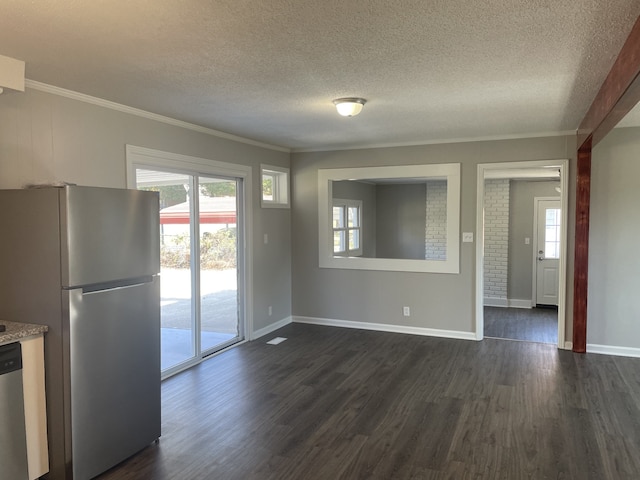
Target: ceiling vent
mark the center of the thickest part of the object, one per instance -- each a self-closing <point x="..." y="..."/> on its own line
<point x="11" y="74"/>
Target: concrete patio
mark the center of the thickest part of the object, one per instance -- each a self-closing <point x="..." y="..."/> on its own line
<point x="219" y="307"/>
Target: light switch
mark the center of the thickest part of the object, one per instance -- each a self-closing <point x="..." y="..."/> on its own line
<point x="266" y="239"/>
<point x="527" y="240"/>
<point x="467" y="237"/>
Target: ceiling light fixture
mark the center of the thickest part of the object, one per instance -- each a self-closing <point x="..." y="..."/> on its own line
<point x="349" y="107"/>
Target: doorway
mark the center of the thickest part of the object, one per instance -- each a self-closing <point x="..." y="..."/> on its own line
<point x="199" y="259"/>
<point x="203" y="256"/>
<point x="507" y="258"/>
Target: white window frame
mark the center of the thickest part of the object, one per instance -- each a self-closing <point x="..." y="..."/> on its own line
<point x="441" y="171"/>
<point x="280" y="186"/>
<point x="346" y="204"/>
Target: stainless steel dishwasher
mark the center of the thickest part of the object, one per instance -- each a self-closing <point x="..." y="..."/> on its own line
<point x="13" y="438"/>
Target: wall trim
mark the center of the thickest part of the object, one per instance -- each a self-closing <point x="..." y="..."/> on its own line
<point x="271" y="328"/>
<point x="495" y="302"/>
<point x="520" y="303"/>
<point x="568" y="345"/>
<point x="507" y="302"/>
<point x="489" y="138"/>
<point x="613" y="350"/>
<point x="62" y="92"/>
<point x="385" y="327"/>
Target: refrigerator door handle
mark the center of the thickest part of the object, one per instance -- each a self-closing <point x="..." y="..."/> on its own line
<point x="115" y="285"/>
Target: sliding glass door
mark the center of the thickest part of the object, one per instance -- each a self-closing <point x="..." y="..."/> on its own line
<point x="218" y="261"/>
<point x="200" y="230"/>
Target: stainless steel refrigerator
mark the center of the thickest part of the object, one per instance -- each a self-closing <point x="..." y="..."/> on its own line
<point x="85" y="262"/>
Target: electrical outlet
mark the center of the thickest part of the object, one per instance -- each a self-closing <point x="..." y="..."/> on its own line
<point x="270" y="310"/>
<point x="406" y="311"/>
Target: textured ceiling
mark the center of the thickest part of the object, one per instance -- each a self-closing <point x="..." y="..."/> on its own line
<point x="431" y="70"/>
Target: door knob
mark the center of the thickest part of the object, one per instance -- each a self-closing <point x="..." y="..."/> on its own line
<point x="540" y="258"/>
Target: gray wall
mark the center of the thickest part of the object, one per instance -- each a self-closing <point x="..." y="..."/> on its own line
<point x="440" y="301"/>
<point x="401" y="221"/>
<point x="520" y="274"/>
<point x="45" y="137"/>
<point x="614" y="262"/>
<point x="366" y="192"/>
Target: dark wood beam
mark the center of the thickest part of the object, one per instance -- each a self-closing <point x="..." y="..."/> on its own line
<point x="581" y="274"/>
<point x="606" y="110"/>
<point x="619" y="93"/>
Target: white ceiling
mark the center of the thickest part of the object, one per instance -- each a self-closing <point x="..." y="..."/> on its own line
<point x="268" y="70"/>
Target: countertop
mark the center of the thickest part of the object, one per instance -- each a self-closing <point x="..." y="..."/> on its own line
<point x="16" y="331"/>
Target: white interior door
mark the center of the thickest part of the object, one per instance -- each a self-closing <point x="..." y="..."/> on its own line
<point x="548" y="251"/>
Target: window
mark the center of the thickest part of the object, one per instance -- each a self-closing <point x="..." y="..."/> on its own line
<point x="347" y="227"/>
<point x="552" y="233"/>
<point x="367" y="259"/>
<point x="275" y="186"/>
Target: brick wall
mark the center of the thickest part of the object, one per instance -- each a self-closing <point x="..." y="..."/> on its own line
<point x="496" y="238"/>
<point x="436" y="231"/>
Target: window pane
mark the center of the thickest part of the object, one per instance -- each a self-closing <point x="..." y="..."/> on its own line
<point x="354" y="217"/>
<point x="268" y="184"/>
<point x="551" y="216"/>
<point x="176" y="315"/>
<point x="275" y="186"/>
<point x="552" y="233"/>
<point x="218" y="262"/>
<point x="552" y="250"/>
<point x="338" y="241"/>
<point x="354" y="239"/>
<point x="338" y="217"/>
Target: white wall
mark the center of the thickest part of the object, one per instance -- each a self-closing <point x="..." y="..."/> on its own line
<point x="46" y="137"/>
<point x="613" y="321"/>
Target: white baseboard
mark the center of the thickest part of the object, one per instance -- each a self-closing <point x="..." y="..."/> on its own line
<point x="613" y="350"/>
<point x="271" y="328"/>
<point x="507" y="302"/>
<point x="568" y="345"/>
<point x="520" y="303"/>
<point x="495" y="302"/>
<point x="385" y="327"/>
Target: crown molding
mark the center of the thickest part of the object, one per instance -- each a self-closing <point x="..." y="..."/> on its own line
<point x="62" y="92"/>
<point x="562" y="133"/>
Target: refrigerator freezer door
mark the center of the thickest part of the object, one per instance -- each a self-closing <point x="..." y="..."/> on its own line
<point x="115" y="375"/>
<point x="110" y="234"/>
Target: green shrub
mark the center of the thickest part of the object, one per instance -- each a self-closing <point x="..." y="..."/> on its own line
<point x="217" y="250"/>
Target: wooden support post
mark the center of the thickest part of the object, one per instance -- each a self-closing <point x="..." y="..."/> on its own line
<point x="619" y="93"/>
<point x="581" y="274"/>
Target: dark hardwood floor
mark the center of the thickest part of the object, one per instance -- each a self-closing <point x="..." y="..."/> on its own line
<point x="528" y="324"/>
<point x="332" y="403"/>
